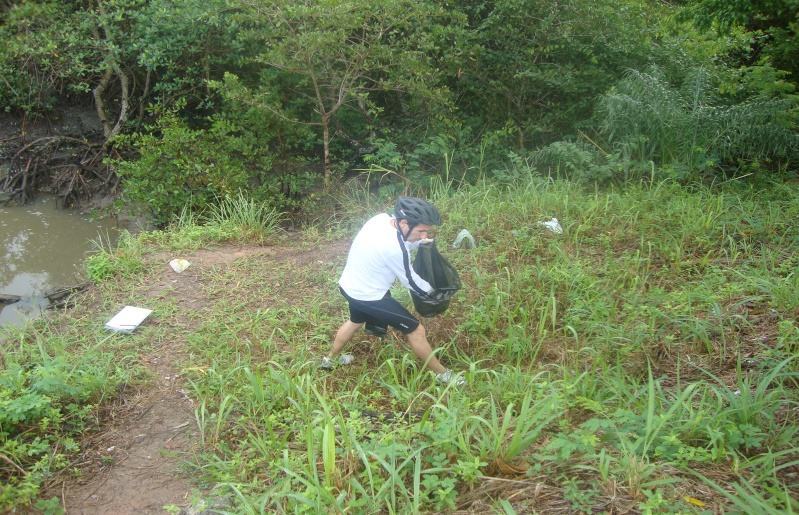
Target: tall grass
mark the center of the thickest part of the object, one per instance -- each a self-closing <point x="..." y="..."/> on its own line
<point x="607" y="366"/>
<point x="250" y="219"/>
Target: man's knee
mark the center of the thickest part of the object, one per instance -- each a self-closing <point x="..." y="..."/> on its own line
<point x="419" y="332"/>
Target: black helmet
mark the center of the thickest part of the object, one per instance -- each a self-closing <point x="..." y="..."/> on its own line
<point x="416" y="211"/>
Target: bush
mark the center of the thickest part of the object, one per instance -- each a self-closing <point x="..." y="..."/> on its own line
<point x="648" y="118"/>
<point x="50" y="386"/>
<point x="179" y="166"/>
<point x="576" y="161"/>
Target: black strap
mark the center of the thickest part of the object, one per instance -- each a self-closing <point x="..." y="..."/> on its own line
<point x="406" y="262"/>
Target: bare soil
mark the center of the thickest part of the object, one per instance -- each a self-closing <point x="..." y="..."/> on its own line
<point x="133" y="464"/>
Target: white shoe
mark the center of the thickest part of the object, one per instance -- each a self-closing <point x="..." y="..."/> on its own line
<point x="447" y="377"/>
<point x="346" y="359"/>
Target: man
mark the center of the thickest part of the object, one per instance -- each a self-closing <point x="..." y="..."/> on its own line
<point x="380" y="255"/>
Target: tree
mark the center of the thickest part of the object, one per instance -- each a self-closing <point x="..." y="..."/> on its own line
<point x="539" y="66"/>
<point x="773" y="25"/>
<point x="328" y="55"/>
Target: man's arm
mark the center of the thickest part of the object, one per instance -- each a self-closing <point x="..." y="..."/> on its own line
<point x="401" y="266"/>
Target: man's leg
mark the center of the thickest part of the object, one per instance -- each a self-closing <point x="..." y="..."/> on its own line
<point x="343" y="335"/>
<point x="421" y="347"/>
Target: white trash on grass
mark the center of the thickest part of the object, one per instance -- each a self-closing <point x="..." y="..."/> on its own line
<point x="127" y="320"/>
<point x="179" y="265"/>
<point x="552" y="225"/>
<point x="464" y="239"/>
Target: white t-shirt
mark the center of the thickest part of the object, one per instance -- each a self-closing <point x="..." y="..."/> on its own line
<point x="377" y="258"/>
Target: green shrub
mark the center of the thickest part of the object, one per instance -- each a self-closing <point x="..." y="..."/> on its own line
<point x="691" y="125"/>
<point x="179" y="166"/>
<point x="44" y="55"/>
<point x="49" y="387"/>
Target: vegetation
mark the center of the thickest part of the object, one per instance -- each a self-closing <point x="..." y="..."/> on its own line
<point x="283" y="98"/>
<point x="55" y="382"/>
<point x="645" y="359"/>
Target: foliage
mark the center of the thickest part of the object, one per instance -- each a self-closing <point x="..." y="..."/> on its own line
<point x="250" y="219"/>
<point x="771" y="25"/>
<point x="44" y="55"/>
<point x="50" y="386"/>
<point x="579" y="162"/>
<point x="122" y="259"/>
<point x="537" y="67"/>
<point x="688" y="126"/>
<point x="194" y="167"/>
<point x="325" y="57"/>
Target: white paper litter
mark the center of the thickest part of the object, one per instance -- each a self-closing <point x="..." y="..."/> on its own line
<point x="179" y="265"/>
<point x="127" y="320"/>
<point x="552" y="226"/>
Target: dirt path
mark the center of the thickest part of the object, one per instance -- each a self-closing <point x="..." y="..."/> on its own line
<point x="139" y="470"/>
<point x="133" y="465"/>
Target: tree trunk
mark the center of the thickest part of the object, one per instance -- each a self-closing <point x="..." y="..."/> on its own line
<point x="124" y="101"/>
<point x="326" y="143"/>
<point x="99" y="104"/>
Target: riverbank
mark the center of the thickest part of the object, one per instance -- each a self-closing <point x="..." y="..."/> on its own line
<point x="643" y="360"/>
<point x="42" y="248"/>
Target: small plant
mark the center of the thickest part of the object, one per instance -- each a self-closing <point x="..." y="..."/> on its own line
<point x="252" y="220"/>
<point x="123" y="260"/>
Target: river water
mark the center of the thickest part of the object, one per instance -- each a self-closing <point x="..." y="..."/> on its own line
<point x="42" y="248"/>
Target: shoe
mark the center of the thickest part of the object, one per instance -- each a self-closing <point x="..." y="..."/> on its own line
<point x="447" y="377"/>
<point x="328" y="364"/>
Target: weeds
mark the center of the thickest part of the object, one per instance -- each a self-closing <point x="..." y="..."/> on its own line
<point x="122" y="260"/>
<point x="650" y="342"/>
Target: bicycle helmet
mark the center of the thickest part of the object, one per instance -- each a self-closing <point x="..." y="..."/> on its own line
<point x="416" y="211"/>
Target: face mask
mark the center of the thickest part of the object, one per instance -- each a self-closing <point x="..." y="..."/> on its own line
<point x="412" y="245"/>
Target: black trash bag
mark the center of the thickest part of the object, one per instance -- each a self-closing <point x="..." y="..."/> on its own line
<point x="436" y="270"/>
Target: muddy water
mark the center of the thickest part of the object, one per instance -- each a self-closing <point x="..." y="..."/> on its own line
<point x="43" y="247"/>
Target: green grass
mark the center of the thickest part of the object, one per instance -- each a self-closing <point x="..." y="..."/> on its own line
<point x="645" y="359"/>
<point x="53" y="380"/>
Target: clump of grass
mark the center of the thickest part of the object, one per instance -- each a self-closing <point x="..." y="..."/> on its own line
<point x="236" y="218"/>
<point x="248" y="219"/>
<point x="108" y="260"/>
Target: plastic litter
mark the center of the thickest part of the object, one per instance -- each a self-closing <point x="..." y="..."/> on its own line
<point x="552" y="225"/>
<point x="464" y="239"/>
<point x="128" y="319"/>
<point x="179" y="265"/>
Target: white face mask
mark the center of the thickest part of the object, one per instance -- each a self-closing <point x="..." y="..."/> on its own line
<point x="412" y="245"/>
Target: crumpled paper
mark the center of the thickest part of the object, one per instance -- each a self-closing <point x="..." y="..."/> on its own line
<point x="179" y="265"/>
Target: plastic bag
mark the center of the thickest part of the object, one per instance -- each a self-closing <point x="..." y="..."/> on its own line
<point x="436" y="270"/>
<point x="552" y="225"/>
<point x="464" y="239"/>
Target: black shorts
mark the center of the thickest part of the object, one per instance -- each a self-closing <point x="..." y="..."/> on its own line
<point x="381" y="313"/>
